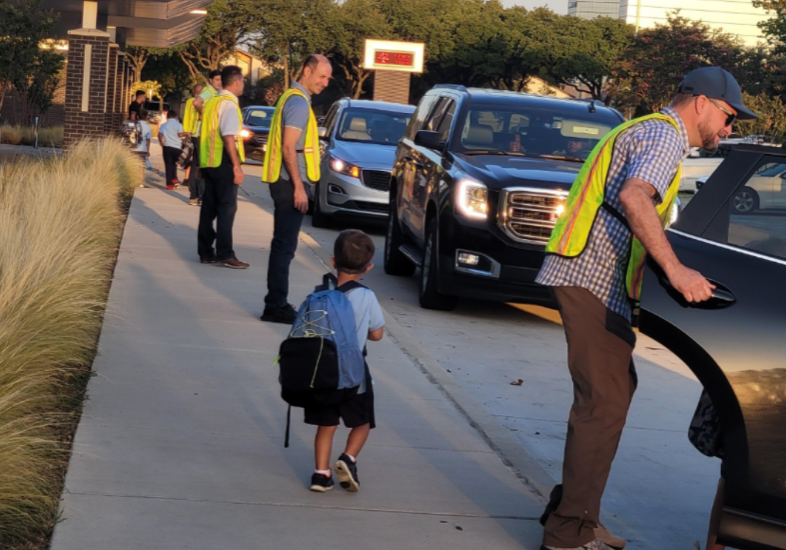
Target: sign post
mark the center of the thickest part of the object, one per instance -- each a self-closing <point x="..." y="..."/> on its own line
<point x="393" y="63"/>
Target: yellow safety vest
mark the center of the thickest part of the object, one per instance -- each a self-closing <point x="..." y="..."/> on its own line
<point x="211" y="144"/>
<point x="213" y="93"/>
<point x="190" y="117"/>
<point x="573" y="228"/>
<point x="274" y="156"/>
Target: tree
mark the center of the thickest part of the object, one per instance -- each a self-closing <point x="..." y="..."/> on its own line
<point x="774" y="28"/>
<point x="227" y="25"/>
<point x="137" y="56"/>
<point x="24" y="26"/>
<point x="772" y="117"/>
<point x="646" y="77"/>
<point x="356" y="20"/>
<point x="579" y="52"/>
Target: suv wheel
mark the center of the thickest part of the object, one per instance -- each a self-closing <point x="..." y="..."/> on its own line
<point x="395" y="262"/>
<point x="430" y="298"/>
<point x="318" y="218"/>
<point x="745" y="201"/>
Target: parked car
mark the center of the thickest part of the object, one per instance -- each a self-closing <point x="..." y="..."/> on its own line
<point x="765" y="190"/>
<point x="256" y="127"/>
<point x="479" y="180"/>
<point x="155" y="113"/>
<point x="358" y="143"/>
<point x="734" y="342"/>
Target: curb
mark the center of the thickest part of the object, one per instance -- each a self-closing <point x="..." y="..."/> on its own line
<point x="498" y="438"/>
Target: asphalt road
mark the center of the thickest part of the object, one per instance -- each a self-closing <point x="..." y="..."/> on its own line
<point x="660" y="490"/>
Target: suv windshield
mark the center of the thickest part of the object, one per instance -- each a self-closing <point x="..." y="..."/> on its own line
<point x="532" y="133"/>
<point x="260" y="117"/>
<point x="372" y="126"/>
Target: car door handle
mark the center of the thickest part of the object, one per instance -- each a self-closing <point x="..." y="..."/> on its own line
<point x="721" y="297"/>
<point x="722" y="294"/>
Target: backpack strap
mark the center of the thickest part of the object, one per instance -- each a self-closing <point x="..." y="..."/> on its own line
<point x="350" y="285"/>
<point x="286" y="435"/>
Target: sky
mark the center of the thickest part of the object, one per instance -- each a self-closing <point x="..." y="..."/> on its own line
<point x="558" y="6"/>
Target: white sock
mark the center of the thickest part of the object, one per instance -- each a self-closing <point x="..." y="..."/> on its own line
<point x="352" y="458"/>
<point x="323" y="472"/>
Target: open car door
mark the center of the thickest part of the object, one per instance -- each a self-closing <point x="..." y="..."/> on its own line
<point x="736" y="342"/>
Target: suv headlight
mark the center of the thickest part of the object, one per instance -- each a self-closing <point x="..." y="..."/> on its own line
<point x="245" y="133"/>
<point x="338" y="165"/>
<point x="472" y="199"/>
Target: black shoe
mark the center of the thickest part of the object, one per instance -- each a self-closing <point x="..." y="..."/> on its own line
<point x="347" y="472"/>
<point x="285" y="315"/>
<point x="207" y="260"/>
<point x="321" y="483"/>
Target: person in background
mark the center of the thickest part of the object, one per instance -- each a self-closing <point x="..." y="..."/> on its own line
<point x="169" y="136"/>
<point x="208" y="92"/>
<point x="143" y="148"/>
<point x="191" y="126"/>
<point x="220" y="160"/>
<point x="136" y="105"/>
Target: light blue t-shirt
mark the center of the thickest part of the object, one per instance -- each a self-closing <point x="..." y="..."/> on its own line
<point x="368" y="317"/>
<point x="170" y="130"/>
<point x="146" y="134"/>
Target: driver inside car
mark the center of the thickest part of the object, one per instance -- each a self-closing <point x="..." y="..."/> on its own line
<point x="575" y="147"/>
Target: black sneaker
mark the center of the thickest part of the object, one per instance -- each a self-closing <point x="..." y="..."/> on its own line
<point x="285" y="315"/>
<point x="347" y="472"/>
<point x="321" y="483"/>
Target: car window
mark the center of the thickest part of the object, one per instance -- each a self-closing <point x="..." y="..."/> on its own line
<point x="536" y="132"/>
<point x="422" y="112"/>
<point x="757" y="211"/>
<point x="433" y="122"/>
<point x="371" y="125"/>
<point x="330" y="119"/>
<point x="447" y="121"/>
<point x="259" y="117"/>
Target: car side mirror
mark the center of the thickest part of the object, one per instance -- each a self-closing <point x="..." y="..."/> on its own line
<point x="428" y="139"/>
<point x="322" y="132"/>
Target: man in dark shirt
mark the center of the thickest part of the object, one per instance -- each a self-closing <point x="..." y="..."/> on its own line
<point x="139" y="100"/>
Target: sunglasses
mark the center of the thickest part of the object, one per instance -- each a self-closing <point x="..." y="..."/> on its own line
<point x="730" y="118"/>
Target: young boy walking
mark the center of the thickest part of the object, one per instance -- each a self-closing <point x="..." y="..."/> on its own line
<point x="170" y="136"/>
<point x="352" y="256"/>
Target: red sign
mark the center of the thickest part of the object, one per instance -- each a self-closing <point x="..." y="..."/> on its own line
<point x="395" y="59"/>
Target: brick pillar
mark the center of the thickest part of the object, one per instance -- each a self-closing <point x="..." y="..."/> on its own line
<point x="111" y="91"/>
<point x="86" y="85"/>
<point x="120" y="90"/>
<point x="392" y="86"/>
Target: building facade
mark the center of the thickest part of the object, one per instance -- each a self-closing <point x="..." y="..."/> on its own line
<point x="594" y="8"/>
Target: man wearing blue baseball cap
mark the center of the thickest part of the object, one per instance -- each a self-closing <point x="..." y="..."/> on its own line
<point x="594" y="265"/>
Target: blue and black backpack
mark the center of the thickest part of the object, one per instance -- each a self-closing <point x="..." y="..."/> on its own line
<point x="321" y="362"/>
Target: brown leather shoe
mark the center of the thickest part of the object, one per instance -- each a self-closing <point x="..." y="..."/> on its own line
<point x="618" y="543"/>
<point x="234" y="263"/>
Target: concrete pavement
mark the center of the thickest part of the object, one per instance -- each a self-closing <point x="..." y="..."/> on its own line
<point x="181" y="441"/>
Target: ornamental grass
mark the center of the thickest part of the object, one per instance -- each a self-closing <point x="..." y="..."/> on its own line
<point x="60" y="226"/>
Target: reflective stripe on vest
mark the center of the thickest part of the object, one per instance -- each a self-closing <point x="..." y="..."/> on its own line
<point x="274" y="156"/>
<point x="572" y="230"/>
<point x="211" y="144"/>
<point x="190" y="117"/>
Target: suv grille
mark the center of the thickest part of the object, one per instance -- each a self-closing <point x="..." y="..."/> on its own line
<point x="528" y="214"/>
<point x="376" y="179"/>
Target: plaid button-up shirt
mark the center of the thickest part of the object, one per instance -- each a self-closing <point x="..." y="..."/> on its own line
<point x="650" y="151"/>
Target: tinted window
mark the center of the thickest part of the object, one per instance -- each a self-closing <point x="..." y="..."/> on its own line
<point x="533" y="132"/>
<point x="371" y="125"/>
<point x="259" y="117"/>
<point x="422" y="112"/>
<point x="757" y="211"/>
<point x="330" y="119"/>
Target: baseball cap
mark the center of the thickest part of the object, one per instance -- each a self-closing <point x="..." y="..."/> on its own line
<point x="716" y="83"/>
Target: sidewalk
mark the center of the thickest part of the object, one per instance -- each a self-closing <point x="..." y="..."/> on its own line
<point x="181" y="440"/>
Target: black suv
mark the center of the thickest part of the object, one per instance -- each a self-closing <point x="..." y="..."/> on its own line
<point x="479" y="181"/>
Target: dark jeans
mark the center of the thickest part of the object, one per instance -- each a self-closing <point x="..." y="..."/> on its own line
<point x="600" y="359"/>
<point x="219" y="204"/>
<point x="286" y="227"/>
<point x="170" y="161"/>
<point x="196" y="184"/>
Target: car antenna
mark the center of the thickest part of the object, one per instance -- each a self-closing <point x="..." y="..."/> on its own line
<point x="592" y="106"/>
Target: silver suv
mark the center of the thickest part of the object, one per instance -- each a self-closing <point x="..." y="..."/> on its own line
<point x="358" y="142"/>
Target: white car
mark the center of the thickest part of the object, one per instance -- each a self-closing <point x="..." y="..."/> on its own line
<point x="765" y="190"/>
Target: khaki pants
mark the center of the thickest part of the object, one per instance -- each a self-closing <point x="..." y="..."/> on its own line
<point x="600" y="359"/>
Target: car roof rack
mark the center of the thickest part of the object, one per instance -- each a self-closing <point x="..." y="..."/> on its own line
<point x="592" y="105"/>
<point x="459" y="87"/>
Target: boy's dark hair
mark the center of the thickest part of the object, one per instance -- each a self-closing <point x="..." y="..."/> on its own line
<point x="139" y="93"/>
<point x="214" y="73"/>
<point x="353" y="252"/>
<point x="171" y="114"/>
<point x="142" y="114"/>
<point x="230" y="74"/>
